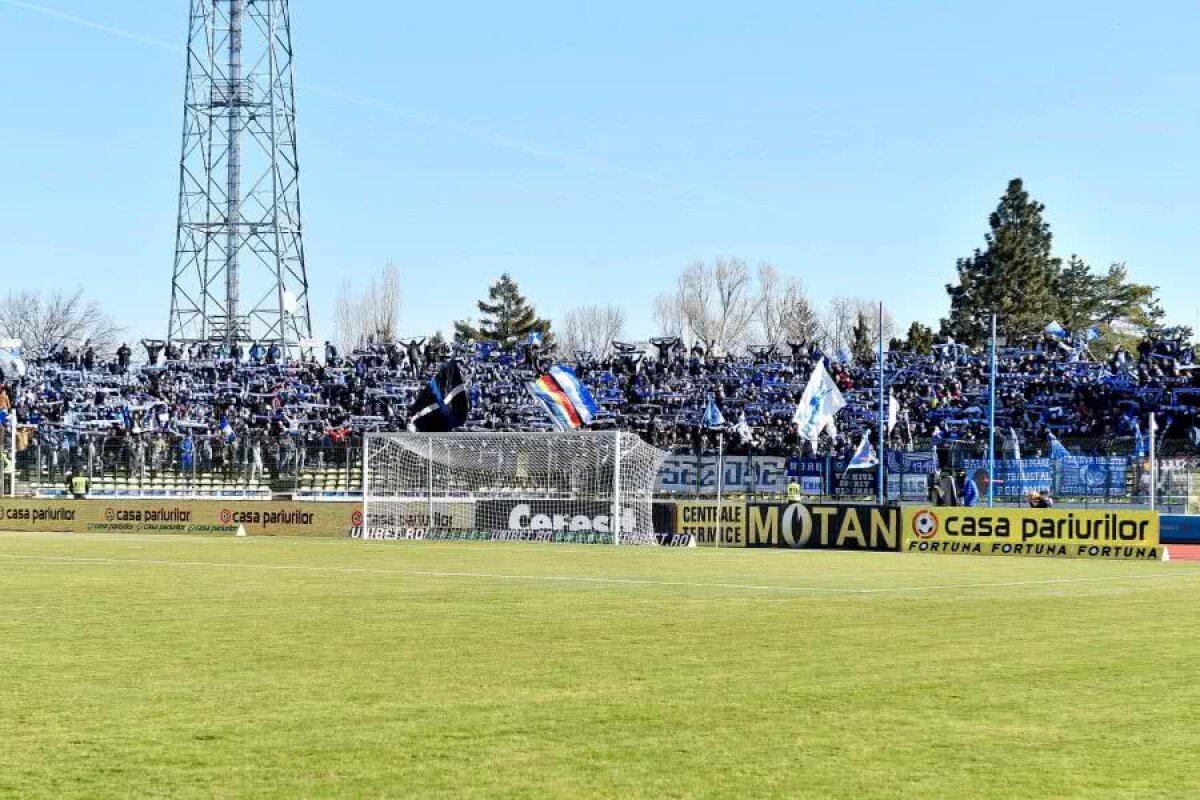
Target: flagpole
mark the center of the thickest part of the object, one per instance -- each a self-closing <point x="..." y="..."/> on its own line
<point x="1153" y="465"/>
<point x="720" y="481"/>
<point x="880" y="492"/>
<point x="992" y="419"/>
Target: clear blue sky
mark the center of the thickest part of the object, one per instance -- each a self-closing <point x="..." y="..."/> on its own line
<point x="593" y="151"/>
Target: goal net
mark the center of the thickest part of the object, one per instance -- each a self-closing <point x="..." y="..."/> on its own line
<point x="564" y="486"/>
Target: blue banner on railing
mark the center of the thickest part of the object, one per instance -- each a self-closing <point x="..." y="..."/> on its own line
<point x="924" y="462"/>
<point x="1014" y="478"/>
<point x="1081" y="476"/>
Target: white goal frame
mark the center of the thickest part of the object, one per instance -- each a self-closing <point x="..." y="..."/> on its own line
<point x="585" y="486"/>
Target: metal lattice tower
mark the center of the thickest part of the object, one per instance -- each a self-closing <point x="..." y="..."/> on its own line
<point x="239" y="255"/>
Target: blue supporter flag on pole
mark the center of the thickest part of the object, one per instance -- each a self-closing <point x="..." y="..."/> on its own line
<point x="1054" y="329"/>
<point x="818" y="406"/>
<point x="227" y="432"/>
<point x="864" y="457"/>
<point x="1139" y="442"/>
<point x="1057" y="450"/>
<point x="713" y="418"/>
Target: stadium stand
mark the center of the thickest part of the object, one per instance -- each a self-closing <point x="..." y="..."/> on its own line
<point x="241" y="424"/>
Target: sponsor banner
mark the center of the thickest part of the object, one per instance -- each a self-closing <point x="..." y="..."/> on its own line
<point x="258" y="518"/>
<point x="410" y="519"/>
<point x="824" y="527"/>
<point x="1014" y="478"/>
<point x="713" y="524"/>
<point x="1179" y="529"/>
<point x="692" y="475"/>
<point x="1093" y="477"/>
<point x="554" y="537"/>
<point x="540" y="516"/>
<point x="1132" y="535"/>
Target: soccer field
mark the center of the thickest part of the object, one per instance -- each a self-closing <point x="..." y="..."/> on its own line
<point x="202" y="667"/>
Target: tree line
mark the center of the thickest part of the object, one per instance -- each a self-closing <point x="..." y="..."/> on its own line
<point x="724" y="305"/>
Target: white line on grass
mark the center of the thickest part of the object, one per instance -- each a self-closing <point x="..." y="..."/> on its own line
<point x="598" y="580"/>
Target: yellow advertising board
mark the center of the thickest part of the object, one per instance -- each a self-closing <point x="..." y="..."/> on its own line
<point x="1131" y="535"/>
<point x="713" y="524"/>
<point x="258" y="518"/>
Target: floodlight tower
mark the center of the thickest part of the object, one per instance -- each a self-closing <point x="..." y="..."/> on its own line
<point x="240" y="272"/>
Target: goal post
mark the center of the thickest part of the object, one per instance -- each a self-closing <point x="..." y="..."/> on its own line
<point x="561" y="486"/>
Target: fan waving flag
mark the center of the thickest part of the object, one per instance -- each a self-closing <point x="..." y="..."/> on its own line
<point x="565" y="398"/>
<point x="818" y="405"/>
<point x="443" y="404"/>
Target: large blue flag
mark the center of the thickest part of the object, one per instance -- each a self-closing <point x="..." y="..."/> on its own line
<point x="713" y="418"/>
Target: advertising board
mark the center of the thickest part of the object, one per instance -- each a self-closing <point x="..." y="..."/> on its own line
<point x="824" y="527"/>
<point x="1130" y="535"/>
<point x="258" y="518"/>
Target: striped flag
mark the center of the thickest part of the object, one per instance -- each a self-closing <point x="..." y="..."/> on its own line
<point x="565" y="398"/>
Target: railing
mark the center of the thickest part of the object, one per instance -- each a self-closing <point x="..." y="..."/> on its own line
<point x="162" y="466"/>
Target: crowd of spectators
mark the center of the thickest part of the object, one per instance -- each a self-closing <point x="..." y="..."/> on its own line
<point x="248" y="409"/>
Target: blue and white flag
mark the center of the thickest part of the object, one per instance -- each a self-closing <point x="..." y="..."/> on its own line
<point x="1015" y="443"/>
<point x="713" y="418"/>
<point x="1140" y="450"/>
<point x="226" y="430"/>
<point x="818" y="406"/>
<point x="1057" y="450"/>
<point x="865" y="456"/>
<point x="1054" y="329"/>
<point x="1092" y="334"/>
<point x="534" y="339"/>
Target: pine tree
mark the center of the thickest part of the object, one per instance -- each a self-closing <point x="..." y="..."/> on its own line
<point x="862" y="345"/>
<point x="506" y="317"/>
<point x="1014" y="276"/>
<point x="1079" y="295"/>
<point x="918" y="340"/>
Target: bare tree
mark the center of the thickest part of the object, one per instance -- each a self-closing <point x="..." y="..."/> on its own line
<point x="374" y="314"/>
<point x="717" y="302"/>
<point x="836" y="326"/>
<point x="668" y="316"/>
<point x="59" y="318"/>
<point x="591" y="328"/>
<point x="783" y="309"/>
<point x="347" y="332"/>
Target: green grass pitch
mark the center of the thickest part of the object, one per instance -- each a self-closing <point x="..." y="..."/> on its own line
<point x="205" y="667"/>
